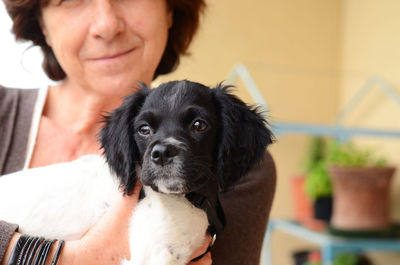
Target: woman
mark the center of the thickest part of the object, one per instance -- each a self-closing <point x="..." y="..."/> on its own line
<point x="99" y="49"/>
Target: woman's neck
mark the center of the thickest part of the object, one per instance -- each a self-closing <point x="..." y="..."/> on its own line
<point x="70" y="123"/>
<point x="77" y="109"/>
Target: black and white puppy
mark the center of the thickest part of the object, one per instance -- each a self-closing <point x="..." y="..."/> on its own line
<point x="184" y="141"/>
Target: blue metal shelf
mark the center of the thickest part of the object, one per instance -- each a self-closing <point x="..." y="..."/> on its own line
<point x="338" y="130"/>
<point x="330" y="245"/>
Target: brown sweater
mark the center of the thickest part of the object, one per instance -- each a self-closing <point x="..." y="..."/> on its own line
<point x="246" y="207"/>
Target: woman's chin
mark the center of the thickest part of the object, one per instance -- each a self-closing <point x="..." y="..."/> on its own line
<point x="114" y="86"/>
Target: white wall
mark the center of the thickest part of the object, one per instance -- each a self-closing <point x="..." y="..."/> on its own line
<point x="19" y="66"/>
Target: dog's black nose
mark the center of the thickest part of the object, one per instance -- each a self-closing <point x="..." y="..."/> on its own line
<point x="163" y="154"/>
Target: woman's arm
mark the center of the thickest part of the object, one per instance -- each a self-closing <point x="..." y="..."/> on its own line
<point x="6" y="232"/>
<point x="107" y="242"/>
<point x="104" y="244"/>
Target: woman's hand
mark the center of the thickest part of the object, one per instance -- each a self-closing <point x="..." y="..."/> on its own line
<point x="107" y="242"/>
<point x="206" y="259"/>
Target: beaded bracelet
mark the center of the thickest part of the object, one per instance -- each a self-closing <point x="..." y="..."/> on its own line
<point x="27" y="246"/>
<point x="33" y="251"/>
<point x="24" y="249"/>
<point x="41" y="255"/>
<point x="57" y="255"/>
<point x="38" y="242"/>
<point x="46" y="252"/>
<point x="17" y="250"/>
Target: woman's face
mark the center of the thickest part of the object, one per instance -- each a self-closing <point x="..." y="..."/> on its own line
<point x="107" y="45"/>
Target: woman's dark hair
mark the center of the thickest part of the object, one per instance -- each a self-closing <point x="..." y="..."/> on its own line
<point x="186" y="16"/>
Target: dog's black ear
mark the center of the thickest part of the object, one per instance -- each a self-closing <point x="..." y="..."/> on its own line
<point x="117" y="139"/>
<point x="243" y="136"/>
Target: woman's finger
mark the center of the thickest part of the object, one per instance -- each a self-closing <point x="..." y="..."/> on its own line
<point x="136" y="189"/>
<point x="130" y="201"/>
<point x="203" y="248"/>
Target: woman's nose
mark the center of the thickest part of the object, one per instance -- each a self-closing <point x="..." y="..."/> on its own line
<point x="106" y="20"/>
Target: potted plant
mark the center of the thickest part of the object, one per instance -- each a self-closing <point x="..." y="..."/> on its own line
<point x="314" y="258"/>
<point x="351" y="259"/>
<point x="318" y="185"/>
<point x="361" y="184"/>
<point x="302" y="203"/>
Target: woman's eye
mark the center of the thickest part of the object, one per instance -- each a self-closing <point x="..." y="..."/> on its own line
<point x="199" y="125"/>
<point x="144" y="130"/>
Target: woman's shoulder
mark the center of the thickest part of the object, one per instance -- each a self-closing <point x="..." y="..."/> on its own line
<point x="16" y="108"/>
<point x="16" y="100"/>
<point x="8" y="95"/>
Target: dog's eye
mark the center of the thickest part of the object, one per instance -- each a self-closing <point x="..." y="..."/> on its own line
<point x="199" y="125"/>
<point x="144" y="130"/>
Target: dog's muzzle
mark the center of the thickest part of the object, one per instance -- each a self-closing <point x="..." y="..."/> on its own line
<point x="163" y="154"/>
<point x="162" y="168"/>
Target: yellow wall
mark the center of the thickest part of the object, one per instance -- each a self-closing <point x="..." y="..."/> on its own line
<point x="308" y="57"/>
<point x="291" y="49"/>
<point x="369" y="45"/>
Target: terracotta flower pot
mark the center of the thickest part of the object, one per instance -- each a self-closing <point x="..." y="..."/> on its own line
<point x="361" y="198"/>
<point x="302" y="205"/>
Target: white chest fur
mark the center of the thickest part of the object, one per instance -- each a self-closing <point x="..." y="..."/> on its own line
<point x="58" y="201"/>
<point x="165" y="229"/>
<point x="63" y="200"/>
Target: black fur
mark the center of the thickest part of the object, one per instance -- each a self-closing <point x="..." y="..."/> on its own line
<point x="235" y="140"/>
<point x="243" y="136"/>
<point x="118" y="142"/>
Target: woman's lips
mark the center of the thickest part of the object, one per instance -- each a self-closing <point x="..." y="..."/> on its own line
<point x="112" y="57"/>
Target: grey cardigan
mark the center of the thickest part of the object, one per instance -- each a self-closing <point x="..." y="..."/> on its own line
<point x="246" y="207"/>
<point x="16" y="107"/>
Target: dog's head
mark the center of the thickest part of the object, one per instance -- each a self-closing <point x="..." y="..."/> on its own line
<point x="179" y="136"/>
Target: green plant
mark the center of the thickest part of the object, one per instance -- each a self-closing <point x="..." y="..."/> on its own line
<point x="348" y="155"/>
<point x="318" y="183"/>
<point x="346" y="259"/>
<point x="341" y="259"/>
<point x="323" y="153"/>
<point x="316" y="152"/>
